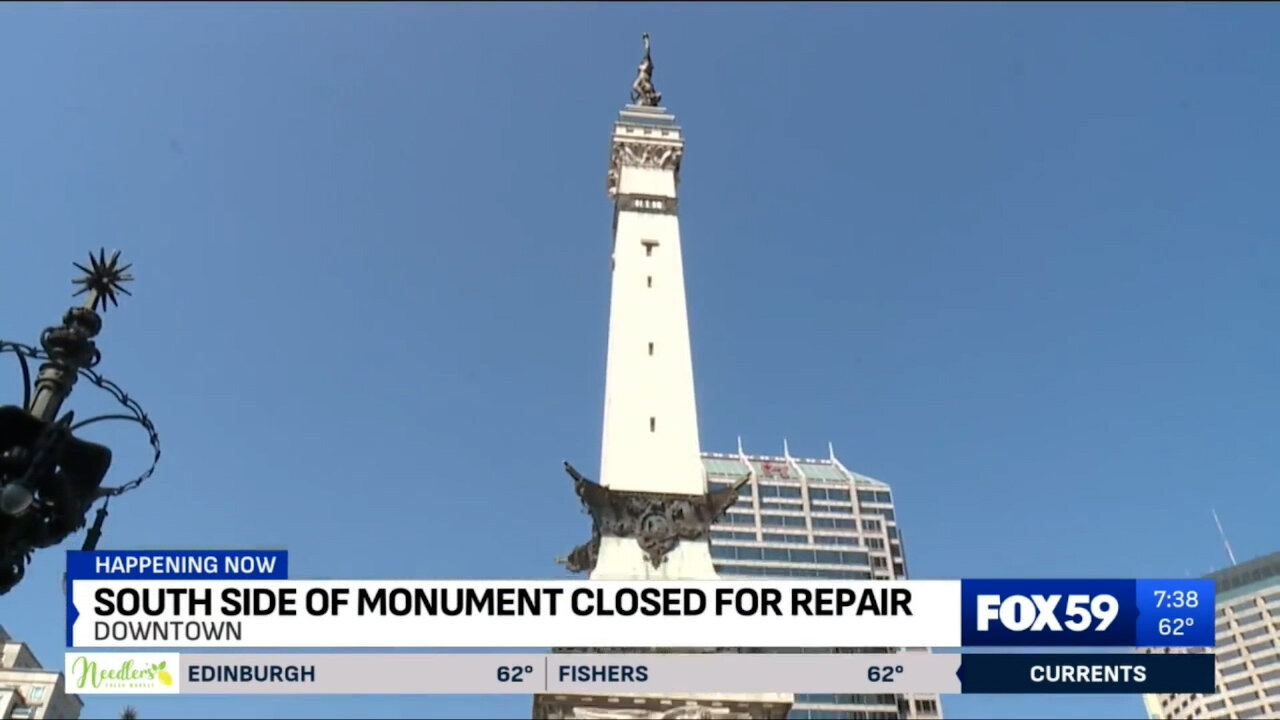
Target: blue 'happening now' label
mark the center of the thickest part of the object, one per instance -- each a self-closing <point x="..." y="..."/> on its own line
<point x="170" y="565"/>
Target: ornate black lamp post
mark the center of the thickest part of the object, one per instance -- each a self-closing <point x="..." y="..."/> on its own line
<point x="49" y="478"/>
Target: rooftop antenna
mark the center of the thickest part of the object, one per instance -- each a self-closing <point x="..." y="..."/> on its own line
<point x="1222" y="533"/>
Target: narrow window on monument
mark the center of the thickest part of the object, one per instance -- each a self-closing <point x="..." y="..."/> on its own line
<point x="650" y="349"/>
<point x="649" y="281"/>
<point x="649" y="245"/>
<point x="653" y="424"/>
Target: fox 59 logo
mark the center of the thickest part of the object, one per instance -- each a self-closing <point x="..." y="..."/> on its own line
<point x="1048" y="613"/>
<point x="1034" y="613"/>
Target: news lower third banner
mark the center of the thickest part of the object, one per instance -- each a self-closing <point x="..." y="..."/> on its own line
<point x="246" y="599"/>
<point x="726" y="675"/>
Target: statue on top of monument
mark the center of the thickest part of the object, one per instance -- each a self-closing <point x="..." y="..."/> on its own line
<point x="642" y="90"/>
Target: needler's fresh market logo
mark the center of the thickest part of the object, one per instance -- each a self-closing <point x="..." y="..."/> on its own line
<point x="90" y="674"/>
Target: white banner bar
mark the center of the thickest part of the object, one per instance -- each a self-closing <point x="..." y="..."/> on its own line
<point x="154" y="614"/>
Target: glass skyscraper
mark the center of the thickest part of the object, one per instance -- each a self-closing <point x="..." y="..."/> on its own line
<point x="801" y="518"/>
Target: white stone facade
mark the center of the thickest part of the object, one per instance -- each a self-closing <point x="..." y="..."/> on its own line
<point x="27" y="690"/>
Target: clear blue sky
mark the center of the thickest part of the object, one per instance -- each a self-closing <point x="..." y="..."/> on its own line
<point x="1020" y="261"/>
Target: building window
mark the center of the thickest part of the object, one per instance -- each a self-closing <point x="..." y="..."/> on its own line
<point x="1247" y="698"/>
<point x="777" y="554"/>
<point x="20" y="712"/>
<point x="36" y="694"/>
<point x="651" y="349"/>
<point x="840" y="557"/>
<point x="1251" y="618"/>
<point x="882" y="512"/>
<point x="1266" y="661"/>
<point x="1233" y="670"/>
<point x="794" y="521"/>
<point x="791" y="492"/>
<point x="834" y="523"/>
<point x="648" y="282"/>
<point x="835" y="540"/>
<point x="653" y="424"/>
<point x="1239" y="684"/>
<point x="1259" y="648"/>
<point x="728" y="535"/>
<point x="649" y="245"/>
<point x="875" y="496"/>
<point x="833" y="494"/>
<point x="784" y="572"/>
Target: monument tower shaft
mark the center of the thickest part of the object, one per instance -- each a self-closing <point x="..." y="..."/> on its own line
<point x="650" y="438"/>
<point x="651" y="513"/>
<point x="649" y="441"/>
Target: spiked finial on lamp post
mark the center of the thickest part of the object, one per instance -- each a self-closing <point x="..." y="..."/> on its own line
<point x="103" y="279"/>
<point x="70" y="346"/>
<point x="49" y="477"/>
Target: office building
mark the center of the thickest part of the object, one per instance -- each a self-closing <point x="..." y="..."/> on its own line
<point x="27" y="690"/>
<point x="804" y="518"/>
<point x="1248" y="649"/>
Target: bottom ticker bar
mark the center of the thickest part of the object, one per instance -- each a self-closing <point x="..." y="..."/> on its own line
<point x="1099" y="673"/>
<point x="517" y="674"/>
<point x="602" y="674"/>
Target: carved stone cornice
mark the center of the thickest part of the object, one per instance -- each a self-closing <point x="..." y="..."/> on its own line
<point x="642" y="154"/>
<point x="657" y="521"/>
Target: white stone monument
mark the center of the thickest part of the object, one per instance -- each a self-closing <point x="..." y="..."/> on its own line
<point x="651" y="512"/>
